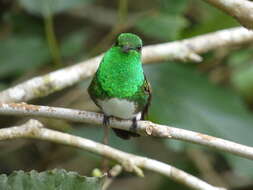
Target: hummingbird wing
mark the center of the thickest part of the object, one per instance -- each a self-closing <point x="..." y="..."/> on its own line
<point x="93" y="89"/>
<point x="147" y="89"/>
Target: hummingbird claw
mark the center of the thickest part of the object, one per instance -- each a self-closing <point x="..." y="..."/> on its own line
<point x="106" y="120"/>
<point x="134" y="127"/>
<point x="127" y="134"/>
<point x="134" y="124"/>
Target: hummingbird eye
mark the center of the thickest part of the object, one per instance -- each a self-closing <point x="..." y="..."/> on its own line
<point x="138" y="48"/>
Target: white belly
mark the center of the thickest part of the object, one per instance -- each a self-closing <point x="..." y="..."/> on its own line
<point x="120" y="108"/>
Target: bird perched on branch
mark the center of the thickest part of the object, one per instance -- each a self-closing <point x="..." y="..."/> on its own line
<point x="119" y="87"/>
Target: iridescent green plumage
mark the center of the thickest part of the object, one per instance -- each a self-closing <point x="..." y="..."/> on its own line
<point x="121" y="74"/>
<point x="120" y="80"/>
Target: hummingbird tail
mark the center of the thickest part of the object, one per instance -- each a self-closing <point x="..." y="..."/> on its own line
<point x="125" y="134"/>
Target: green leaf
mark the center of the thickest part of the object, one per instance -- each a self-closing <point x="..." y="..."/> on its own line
<point x="57" y="179"/>
<point x="162" y="26"/>
<point x="185" y="98"/>
<point x="242" y="72"/>
<point x="206" y="18"/>
<point x="20" y="53"/>
<point x="24" y="24"/>
<point x="174" y="7"/>
<point x="242" y="79"/>
<point x="73" y="43"/>
<point x="48" y="7"/>
<point x="241" y="166"/>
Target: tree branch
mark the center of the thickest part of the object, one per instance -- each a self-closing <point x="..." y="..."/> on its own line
<point x="34" y="129"/>
<point x="144" y="127"/>
<point x="184" y="50"/>
<point x="114" y="172"/>
<point x="241" y="10"/>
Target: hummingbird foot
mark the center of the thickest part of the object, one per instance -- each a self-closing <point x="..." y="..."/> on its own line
<point x="128" y="134"/>
<point x="106" y="120"/>
<point x="134" y="127"/>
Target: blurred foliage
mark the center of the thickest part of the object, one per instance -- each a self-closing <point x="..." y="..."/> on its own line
<point x="197" y="104"/>
<point x="170" y="25"/>
<point x="49" y="180"/>
<point x="214" y="97"/>
<point x="48" y="7"/>
<point x="22" y="55"/>
<point x="242" y="72"/>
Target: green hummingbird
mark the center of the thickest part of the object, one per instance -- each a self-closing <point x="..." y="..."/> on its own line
<point x="119" y="87"/>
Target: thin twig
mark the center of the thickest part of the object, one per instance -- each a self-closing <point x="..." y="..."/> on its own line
<point x="143" y="128"/>
<point x="34" y="129"/>
<point x="184" y="50"/>
<point x="51" y="39"/>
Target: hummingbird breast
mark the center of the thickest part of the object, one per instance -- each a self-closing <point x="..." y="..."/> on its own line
<point x="120" y="108"/>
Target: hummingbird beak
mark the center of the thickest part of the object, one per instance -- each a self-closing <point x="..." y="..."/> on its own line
<point x="126" y="49"/>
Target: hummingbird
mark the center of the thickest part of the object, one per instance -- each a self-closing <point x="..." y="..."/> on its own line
<point x="119" y="87"/>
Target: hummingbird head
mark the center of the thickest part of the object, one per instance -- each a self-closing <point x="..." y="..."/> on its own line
<point x="128" y="42"/>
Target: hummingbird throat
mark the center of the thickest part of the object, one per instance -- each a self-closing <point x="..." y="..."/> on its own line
<point x="123" y="75"/>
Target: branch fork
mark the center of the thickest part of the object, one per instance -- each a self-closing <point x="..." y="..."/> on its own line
<point x="34" y="129"/>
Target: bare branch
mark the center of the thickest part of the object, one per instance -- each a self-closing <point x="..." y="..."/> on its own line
<point x="241" y="10"/>
<point x="34" y="129"/>
<point x="184" y="50"/>
<point x="114" y="172"/>
<point x="144" y="127"/>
